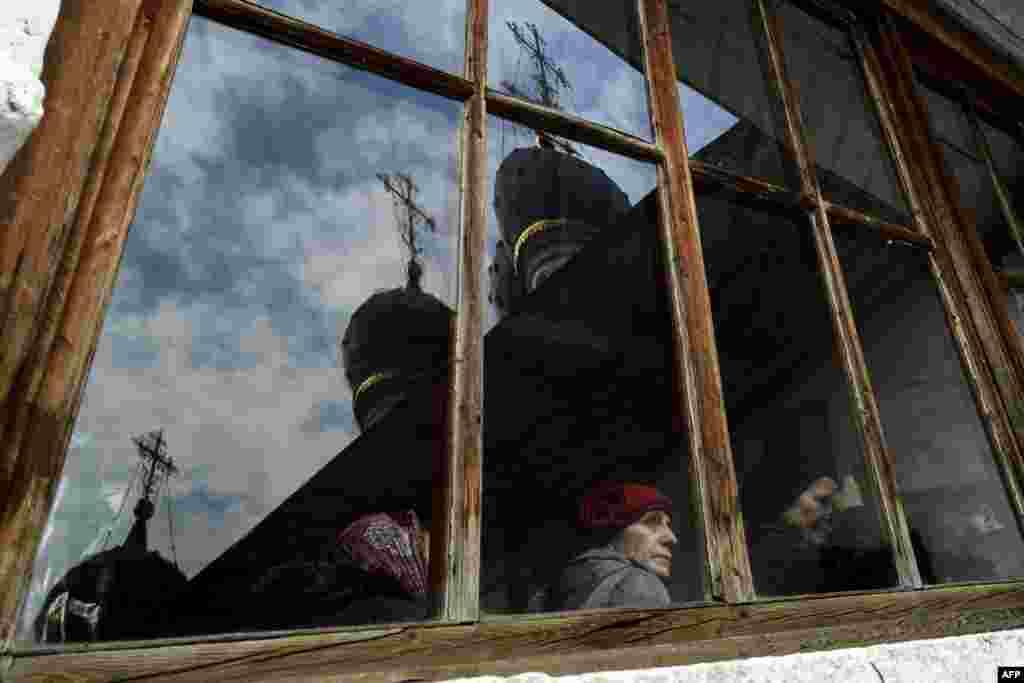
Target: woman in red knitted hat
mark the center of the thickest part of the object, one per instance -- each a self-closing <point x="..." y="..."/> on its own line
<point x="632" y="553"/>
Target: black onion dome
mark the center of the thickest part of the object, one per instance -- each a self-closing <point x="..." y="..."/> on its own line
<point x="535" y="183"/>
<point x="394" y="336"/>
<point x="126" y="592"/>
<point x="549" y="204"/>
<point x="506" y="290"/>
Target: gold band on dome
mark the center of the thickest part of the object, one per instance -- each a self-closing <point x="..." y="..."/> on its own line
<point x="375" y="378"/>
<point x="534" y="228"/>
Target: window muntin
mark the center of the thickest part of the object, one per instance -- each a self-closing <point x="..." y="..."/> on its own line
<point x="961" y="521"/>
<point x="852" y="161"/>
<point x="432" y="33"/>
<point x="731" y="110"/>
<point x="596" y="47"/>
<point x="264" y="235"/>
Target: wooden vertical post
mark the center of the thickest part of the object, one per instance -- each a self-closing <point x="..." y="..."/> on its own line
<point x="964" y="274"/>
<point x="40" y="193"/>
<point x="879" y="463"/>
<point x="457" y="545"/>
<point x="40" y="411"/>
<point x="696" y="367"/>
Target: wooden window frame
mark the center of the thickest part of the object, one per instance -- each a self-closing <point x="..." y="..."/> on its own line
<point x="67" y="261"/>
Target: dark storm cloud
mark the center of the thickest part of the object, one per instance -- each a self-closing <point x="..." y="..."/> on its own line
<point x="204" y="247"/>
<point x="274" y="130"/>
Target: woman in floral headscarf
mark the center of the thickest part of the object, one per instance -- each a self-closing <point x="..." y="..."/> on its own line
<point x="375" y="573"/>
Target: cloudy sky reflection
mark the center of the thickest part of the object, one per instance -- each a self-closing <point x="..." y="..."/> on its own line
<point x="261" y="228"/>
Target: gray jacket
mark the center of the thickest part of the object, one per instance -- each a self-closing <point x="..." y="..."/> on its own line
<point x="604" y="577"/>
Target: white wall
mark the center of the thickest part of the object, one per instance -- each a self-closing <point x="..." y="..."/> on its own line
<point x="966" y="659"/>
<point x="25" y="26"/>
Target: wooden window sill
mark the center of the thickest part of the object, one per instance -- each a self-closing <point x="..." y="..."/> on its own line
<point x="563" y="643"/>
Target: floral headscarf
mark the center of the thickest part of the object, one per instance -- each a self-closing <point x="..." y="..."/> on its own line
<point x="388" y="544"/>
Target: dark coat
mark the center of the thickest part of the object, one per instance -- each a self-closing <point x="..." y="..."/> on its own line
<point x="317" y="594"/>
<point x="604" y="577"/>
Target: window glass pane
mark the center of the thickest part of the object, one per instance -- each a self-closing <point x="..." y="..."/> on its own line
<point x="1008" y="153"/>
<point x="732" y="116"/>
<point x="432" y="33"/>
<point x="578" y="391"/>
<point x="585" y="58"/>
<point x="949" y="123"/>
<point x="964" y="162"/>
<point x="264" y="241"/>
<point x="811" y="522"/>
<point x="963" y="159"/>
<point x="958" y="510"/>
<point x="1008" y="156"/>
<point x="853" y="163"/>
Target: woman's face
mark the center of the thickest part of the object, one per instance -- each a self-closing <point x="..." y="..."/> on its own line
<point x="649" y="540"/>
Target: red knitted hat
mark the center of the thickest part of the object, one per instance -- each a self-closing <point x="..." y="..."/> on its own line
<point x="615" y="505"/>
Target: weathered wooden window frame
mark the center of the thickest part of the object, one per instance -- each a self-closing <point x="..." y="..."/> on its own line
<point x="122" y="105"/>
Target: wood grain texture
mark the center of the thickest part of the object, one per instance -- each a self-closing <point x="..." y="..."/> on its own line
<point x="697" y="375"/>
<point x="965" y="334"/>
<point x="879" y="463"/>
<point x="250" y="17"/>
<point x="748" y="190"/>
<point x="44" y="406"/>
<point x="880" y="98"/>
<point x="947" y="209"/>
<point x="757" y="193"/>
<point x="992" y="66"/>
<point x="457" y="574"/>
<point x="40" y="190"/>
<point x="557" y="644"/>
<point x="881" y="229"/>
<point x="993" y="355"/>
<point x="20" y="411"/>
<point x="40" y="196"/>
<point x="560" y="123"/>
<point x="26" y="383"/>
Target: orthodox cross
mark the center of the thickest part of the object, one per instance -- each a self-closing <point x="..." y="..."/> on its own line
<point x="156" y="467"/>
<point x="548" y="77"/>
<point x="156" y="464"/>
<point x="408" y="215"/>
